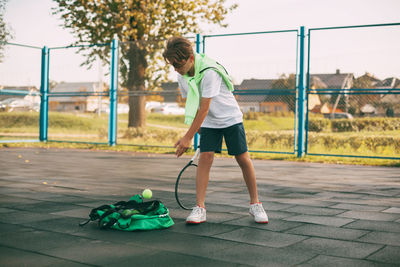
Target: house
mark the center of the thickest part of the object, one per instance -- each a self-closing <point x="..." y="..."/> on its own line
<point x="258" y="95"/>
<point x="388" y="83"/>
<point x="87" y="101"/>
<point x="336" y="80"/>
<point x="389" y="102"/>
<point x="383" y="102"/>
<point x="170" y="92"/>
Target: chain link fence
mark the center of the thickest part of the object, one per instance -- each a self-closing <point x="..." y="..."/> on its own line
<point x="354" y="113"/>
<point x="19" y="93"/>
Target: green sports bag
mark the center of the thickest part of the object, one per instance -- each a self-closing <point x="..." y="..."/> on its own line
<point x="132" y="215"/>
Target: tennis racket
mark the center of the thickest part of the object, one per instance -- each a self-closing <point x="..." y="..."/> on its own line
<point x="185" y="186"/>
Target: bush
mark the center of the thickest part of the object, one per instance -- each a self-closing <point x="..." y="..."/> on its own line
<point x="344" y="125"/>
<point x="366" y="124"/>
<point x="252" y="115"/>
<point x="319" y="125"/>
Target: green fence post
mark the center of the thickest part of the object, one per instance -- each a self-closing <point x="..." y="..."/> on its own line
<point x="301" y="97"/>
<point x="44" y="95"/>
<point x="112" y="124"/>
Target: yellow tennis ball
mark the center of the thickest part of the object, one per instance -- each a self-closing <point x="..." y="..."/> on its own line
<point x="147" y="194"/>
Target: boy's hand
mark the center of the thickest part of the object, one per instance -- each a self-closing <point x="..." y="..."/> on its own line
<point x="182" y="146"/>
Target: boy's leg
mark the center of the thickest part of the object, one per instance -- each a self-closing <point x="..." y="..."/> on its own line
<point x="249" y="175"/>
<point x="203" y="176"/>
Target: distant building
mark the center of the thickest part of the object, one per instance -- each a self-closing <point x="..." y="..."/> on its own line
<point x="255" y="102"/>
<point x="170" y="92"/>
<point x="336" y="80"/>
<point x="90" y="103"/>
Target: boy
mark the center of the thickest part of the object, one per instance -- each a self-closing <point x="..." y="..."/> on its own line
<point x="212" y="109"/>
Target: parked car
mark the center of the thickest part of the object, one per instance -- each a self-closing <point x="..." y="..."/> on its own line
<point x="169" y="109"/>
<point x="339" y="115"/>
<point x="152" y="104"/>
<point x="18" y="104"/>
<point x="123" y="108"/>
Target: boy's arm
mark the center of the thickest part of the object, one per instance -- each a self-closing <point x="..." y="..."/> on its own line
<point x="185" y="142"/>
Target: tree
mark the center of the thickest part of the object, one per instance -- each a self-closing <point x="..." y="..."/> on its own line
<point x="5" y="34"/>
<point x="142" y="26"/>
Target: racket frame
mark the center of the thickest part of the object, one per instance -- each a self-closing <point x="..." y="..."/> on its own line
<point x="190" y="163"/>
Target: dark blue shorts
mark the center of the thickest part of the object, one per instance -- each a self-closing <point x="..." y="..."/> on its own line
<point x="235" y="139"/>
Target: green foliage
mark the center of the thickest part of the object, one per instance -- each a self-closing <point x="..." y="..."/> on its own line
<point x="355" y="125"/>
<point x="142" y="26"/>
<point x="319" y="125"/>
<point x="344" y="125"/>
<point x="5" y="33"/>
<point x="252" y="116"/>
<point x="366" y="124"/>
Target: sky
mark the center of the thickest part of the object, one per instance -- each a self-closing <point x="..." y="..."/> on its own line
<point x="357" y="51"/>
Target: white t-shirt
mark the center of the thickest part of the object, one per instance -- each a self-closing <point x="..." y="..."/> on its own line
<point x="224" y="110"/>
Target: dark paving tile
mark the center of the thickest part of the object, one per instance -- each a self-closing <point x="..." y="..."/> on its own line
<point x="37" y="240"/>
<point x="370" y="215"/>
<point x="275" y="206"/>
<point x="261" y="237"/>
<point x="66" y="225"/>
<point x="388" y="254"/>
<point x="262" y="256"/>
<point x="327" y="232"/>
<point x="330" y="261"/>
<point x="7" y="201"/>
<point x="356" y="207"/>
<point x="277" y="214"/>
<point x="275" y="225"/>
<point x="76" y="213"/>
<point x="324" y="220"/>
<point x="213" y="217"/>
<point x="45" y="207"/>
<point x="375" y="226"/>
<point x="203" y="229"/>
<point x="99" y="252"/>
<point x="314" y="210"/>
<point x="6" y="228"/>
<point x="180" y="242"/>
<point x="385" y="238"/>
<point x="347" y="249"/>
<point x="6" y="210"/>
<point x="168" y="259"/>
<point x="21" y="217"/>
<point x="13" y="257"/>
<point x="392" y="210"/>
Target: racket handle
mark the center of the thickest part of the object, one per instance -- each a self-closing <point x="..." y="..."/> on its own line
<point x="195" y="154"/>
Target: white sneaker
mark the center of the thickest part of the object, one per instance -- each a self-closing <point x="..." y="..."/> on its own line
<point x="198" y="215"/>
<point x="258" y="212"/>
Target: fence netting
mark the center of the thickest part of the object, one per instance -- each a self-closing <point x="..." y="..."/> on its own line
<point x="353" y="92"/>
<point x="263" y="68"/>
<point x="19" y="93"/>
<point x="78" y="95"/>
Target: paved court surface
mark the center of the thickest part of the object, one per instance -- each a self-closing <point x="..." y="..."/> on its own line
<point x="320" y="214"/>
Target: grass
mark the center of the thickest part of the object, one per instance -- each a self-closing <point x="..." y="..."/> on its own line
<point x="266" y="132"/>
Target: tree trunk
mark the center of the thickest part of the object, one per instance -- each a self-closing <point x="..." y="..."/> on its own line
<point x="137" y="111"/>
<point x="136" y="78"/>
